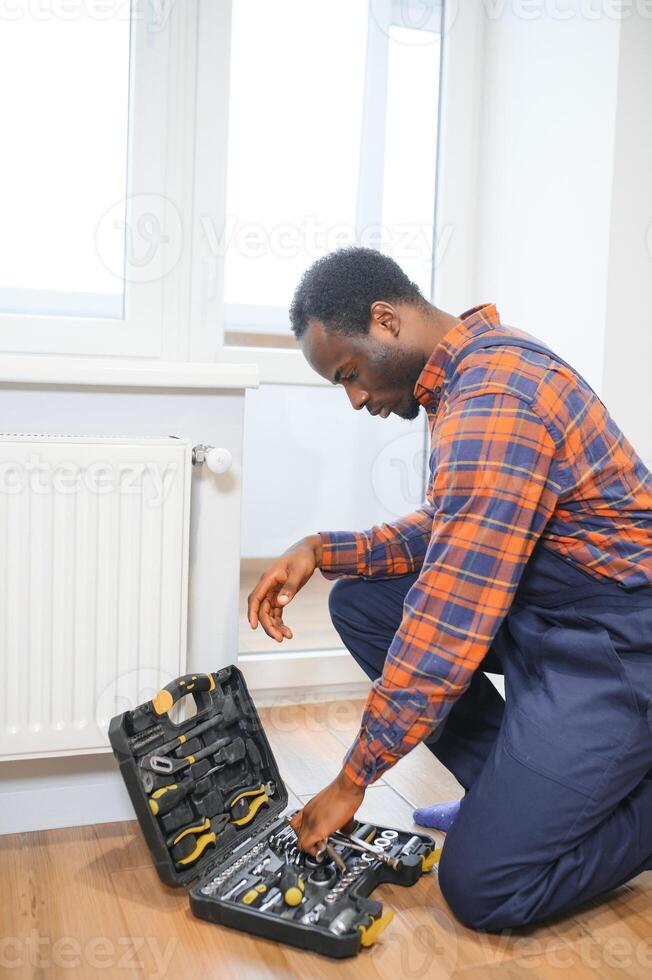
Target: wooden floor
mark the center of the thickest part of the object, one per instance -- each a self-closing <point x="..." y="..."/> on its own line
<point x="86" y="902"/>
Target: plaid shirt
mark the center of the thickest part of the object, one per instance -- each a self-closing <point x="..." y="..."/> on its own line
<point x="522" y="450"/>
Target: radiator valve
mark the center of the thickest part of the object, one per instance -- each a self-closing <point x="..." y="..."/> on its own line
<point x="218" y="460"/>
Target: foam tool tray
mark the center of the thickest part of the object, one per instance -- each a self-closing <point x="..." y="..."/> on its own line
<point x="209" y="799"/>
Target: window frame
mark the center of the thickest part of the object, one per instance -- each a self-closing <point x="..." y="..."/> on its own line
<point x="179" y="102"/>
<point x="161" y="151"/>
<point x="382" y="16"/>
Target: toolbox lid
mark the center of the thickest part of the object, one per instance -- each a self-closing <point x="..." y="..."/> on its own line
<point x="215" y="812"/>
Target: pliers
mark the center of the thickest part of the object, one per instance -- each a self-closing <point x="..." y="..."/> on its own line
<point x="247" y="802"/>
<point x="202" y="839"/>
<point x="364" y="848"/>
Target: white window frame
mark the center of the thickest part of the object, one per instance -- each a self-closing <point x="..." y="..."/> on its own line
<point x="285" y="366"/>
<point x="162" y="160"/>
<point x="179" y="88"/>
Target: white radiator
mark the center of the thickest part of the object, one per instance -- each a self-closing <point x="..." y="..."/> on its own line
<point x="93" y="584"/>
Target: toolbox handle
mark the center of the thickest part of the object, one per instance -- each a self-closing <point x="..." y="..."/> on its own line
<point x="177" y="689"/>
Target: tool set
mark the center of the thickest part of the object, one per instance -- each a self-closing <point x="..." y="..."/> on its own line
<point x="219" y="827"/>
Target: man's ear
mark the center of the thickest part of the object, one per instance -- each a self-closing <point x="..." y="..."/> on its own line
<point x="385" y="317"/>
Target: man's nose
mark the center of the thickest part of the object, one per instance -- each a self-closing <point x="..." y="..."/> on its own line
<point x="358" y="397"/>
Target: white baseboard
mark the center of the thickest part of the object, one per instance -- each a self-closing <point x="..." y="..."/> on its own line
<point x="43" y="794"/>
<point x="309" y="675"/>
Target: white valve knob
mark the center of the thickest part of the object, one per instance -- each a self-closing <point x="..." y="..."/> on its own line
<point x="219" y="460"/>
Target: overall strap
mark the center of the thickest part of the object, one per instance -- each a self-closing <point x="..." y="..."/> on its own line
<point x="493" y="341"/>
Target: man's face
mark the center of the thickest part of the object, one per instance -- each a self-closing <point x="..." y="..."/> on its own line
<point x="378" y="370"/>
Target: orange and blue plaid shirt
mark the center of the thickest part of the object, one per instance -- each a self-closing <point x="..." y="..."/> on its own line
<point x="522" y="450"/>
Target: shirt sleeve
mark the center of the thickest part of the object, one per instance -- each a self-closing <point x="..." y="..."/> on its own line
<point x="494" y="491"/>
<point x="395" y="548"/>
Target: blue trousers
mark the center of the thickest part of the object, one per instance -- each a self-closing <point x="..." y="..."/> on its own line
<point x="558" y="776"/>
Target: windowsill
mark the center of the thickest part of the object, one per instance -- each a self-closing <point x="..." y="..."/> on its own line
<point x="122" y="373"/>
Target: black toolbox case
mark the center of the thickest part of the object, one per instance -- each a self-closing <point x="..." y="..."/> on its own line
<point x="217" y="816"/>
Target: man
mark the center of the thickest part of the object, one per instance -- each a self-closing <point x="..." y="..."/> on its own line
<point x="532" y="556"/>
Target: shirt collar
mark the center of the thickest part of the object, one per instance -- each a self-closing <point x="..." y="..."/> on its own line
<point x="430" y="382"/>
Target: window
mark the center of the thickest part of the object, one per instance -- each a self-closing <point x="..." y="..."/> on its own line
<point x="332" y="141"/>
<point x="92" y="216"/>
<point x="65" y="131"/>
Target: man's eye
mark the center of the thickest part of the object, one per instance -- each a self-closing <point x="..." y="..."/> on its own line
<point x="349" y="377"/>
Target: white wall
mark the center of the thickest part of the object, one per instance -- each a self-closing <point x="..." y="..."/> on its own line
<point x="545" y="175"/>
<point x="628" y="350"/>
<point x="311" y="463"/>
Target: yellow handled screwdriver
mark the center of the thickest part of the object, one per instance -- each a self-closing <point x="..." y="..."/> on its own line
<point x="166" y="798"/>
<point x="255" y="895"/>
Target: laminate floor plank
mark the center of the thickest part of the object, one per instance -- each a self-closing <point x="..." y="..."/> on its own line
<point x="66" y="921"/>
<point x="86" y="902"/>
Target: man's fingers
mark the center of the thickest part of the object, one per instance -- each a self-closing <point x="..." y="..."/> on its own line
<point x="267" y="586"/>
<point x="266" y="618"/>
<point x="287" y="591"/>
<point x="279" y="624"/>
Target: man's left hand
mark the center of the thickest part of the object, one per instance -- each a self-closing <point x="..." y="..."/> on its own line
<point x="330" y="810"/>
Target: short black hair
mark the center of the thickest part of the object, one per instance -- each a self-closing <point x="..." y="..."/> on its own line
<point x="339" y="289"/>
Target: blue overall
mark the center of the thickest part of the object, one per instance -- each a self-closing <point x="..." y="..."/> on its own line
<point x="558" y="776"/>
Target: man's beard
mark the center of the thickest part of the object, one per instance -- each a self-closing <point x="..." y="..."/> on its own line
<point x="401" y="370"/>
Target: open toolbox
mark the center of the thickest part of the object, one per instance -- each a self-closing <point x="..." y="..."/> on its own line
<point x="209" y="799"/>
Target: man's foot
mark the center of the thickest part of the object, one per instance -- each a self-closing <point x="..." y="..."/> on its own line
<point x="438" y="816"/>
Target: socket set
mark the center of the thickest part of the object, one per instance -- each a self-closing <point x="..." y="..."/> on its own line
<point x="210" y="799"/>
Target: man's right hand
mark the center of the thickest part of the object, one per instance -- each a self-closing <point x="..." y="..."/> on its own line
<point x="278" y="585"/>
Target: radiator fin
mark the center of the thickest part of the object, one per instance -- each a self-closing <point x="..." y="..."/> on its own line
<point x="93" y="584"/>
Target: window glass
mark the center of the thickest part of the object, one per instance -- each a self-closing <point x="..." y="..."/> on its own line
<point x="64" y="74"/>
<point x="411" y="150"/>
<point x="333" y="125"/>
<point x="296" y="92"/>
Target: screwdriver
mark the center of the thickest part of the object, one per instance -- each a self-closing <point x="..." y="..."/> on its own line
<point x="257" y="893"/>
<point x="166" y="798"/>
<point x="291" y="886"/>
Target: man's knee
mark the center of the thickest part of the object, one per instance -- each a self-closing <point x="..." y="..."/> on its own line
<point x="343" y="600"/>
<point x="472" y="888"/>
<point x="460" y="884"/>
